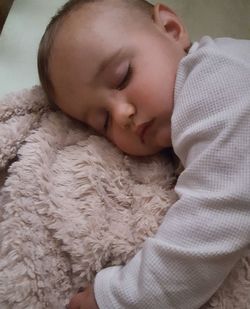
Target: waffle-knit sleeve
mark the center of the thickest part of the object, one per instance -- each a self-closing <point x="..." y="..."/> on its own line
<point x="207" y="229"/>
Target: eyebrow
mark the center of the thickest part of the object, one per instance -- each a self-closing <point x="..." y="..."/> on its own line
<point x="107" y="61"/>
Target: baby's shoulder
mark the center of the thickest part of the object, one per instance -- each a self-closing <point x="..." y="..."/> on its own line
<point x="229" y="48"/>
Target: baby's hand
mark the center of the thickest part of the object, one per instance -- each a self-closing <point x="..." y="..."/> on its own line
<point x="83" y="300"/>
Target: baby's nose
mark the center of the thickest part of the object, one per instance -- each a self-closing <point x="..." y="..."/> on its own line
<point x="123" y="114"/>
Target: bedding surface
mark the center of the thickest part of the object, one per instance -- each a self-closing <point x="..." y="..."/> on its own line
<point x="19" y="41"/>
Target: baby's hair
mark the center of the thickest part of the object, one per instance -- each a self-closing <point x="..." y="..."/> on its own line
<point x="48" y="38"/>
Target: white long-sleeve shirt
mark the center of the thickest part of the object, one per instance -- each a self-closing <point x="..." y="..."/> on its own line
<point x="207" y="229"/>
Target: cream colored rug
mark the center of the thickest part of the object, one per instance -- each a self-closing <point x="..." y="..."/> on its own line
<point x="73" y="204"/>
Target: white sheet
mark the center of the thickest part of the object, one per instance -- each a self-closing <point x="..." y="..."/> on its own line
<point x="19" y="41"/>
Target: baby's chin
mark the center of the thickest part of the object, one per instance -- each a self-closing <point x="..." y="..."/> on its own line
<point x="163" y="138"/>
<point x="158" y="140"/>
<point x="143" y="151"/>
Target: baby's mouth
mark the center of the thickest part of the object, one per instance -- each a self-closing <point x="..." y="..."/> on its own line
<point x="142" y="129"/>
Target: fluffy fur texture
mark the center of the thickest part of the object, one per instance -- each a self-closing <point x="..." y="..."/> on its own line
<point x="73" y="204"/>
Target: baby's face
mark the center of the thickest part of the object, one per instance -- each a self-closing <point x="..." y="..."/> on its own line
<point x="118" y="77"/>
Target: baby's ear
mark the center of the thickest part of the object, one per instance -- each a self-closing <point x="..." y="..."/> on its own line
<point x="167" y="20"/>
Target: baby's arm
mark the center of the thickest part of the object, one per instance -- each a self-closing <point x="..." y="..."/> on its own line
<point x="206" y="231"/>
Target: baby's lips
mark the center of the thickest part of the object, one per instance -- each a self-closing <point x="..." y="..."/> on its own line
<point x="141" y="129"/>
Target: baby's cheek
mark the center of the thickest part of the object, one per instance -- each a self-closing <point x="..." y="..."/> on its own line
<point x="124" y="141"/>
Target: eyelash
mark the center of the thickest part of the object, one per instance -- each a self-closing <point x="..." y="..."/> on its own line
<point x="121" y="86"/>
<point x="126" y="78"/>
<point x="106" y="123"/>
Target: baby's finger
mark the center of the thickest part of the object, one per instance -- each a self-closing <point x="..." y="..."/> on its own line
<point x="76" y="301"/>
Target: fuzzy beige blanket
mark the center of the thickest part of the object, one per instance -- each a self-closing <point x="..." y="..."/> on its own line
<point x="73" y="204"/>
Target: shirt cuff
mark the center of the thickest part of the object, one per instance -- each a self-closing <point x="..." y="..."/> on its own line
<point x="103" y="290"/>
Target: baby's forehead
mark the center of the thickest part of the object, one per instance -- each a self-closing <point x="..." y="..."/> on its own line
<point x="114" y="13"/>
<point x="82" y="28"/>
<point x="91" y="32"/>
